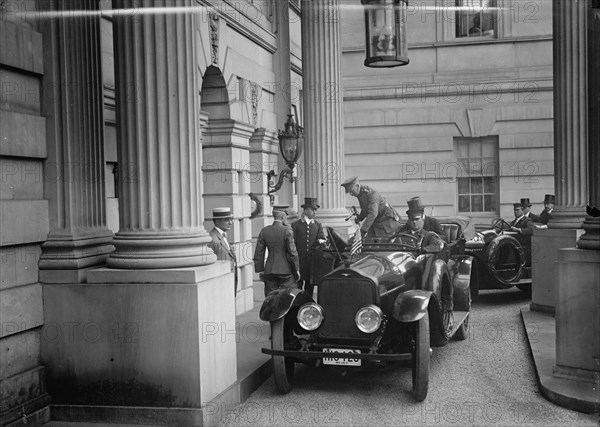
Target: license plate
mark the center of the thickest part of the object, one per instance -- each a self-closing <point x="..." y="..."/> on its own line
<point x="339" y="360"/>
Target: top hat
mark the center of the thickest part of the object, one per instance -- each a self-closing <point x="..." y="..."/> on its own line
<point x="549" y="198"/>
<point x="349" y="183"/>
<point x="281" y="208"/>
<point x="221" y="213"/>
<point x="525" y="202"/>
<point x="518" y="205"/>
<point x="415" y="206"/>
<point x="310" y="202"/>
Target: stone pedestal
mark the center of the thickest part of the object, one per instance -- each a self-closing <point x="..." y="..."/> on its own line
<point x="577" y="315"/>
<point x="155" y="339"/>
<point x="545" y="244"/>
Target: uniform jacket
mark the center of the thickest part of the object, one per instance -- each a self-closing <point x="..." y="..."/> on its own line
<point x="429" y="240"/>
<point x="283" y="257"/>
<point x="220" y="248"/>
<point x="377" y="213"/>
<point x="545" y="216"/>
<point x="305" y="237"/>
<point x="429" y="224"/>
<point x="525" y="224"/>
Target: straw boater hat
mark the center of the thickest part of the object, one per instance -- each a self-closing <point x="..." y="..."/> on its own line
<point x="525" y="202"/>
<point x="549" y="198"/>
<point x="415" y="206"/>
<point x="310" y="202"/>
<point x="349" y="183"/>
<point x="221" y="213"/>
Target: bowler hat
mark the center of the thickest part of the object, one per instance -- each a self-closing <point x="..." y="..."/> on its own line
<point x="517" y="205"/>
<point x="281" y="208"/>
<point x="221" y="213"/>
<point x="349" y="183"/>
<point x="415" y="206"/>
<point x="525" y="202"/>
<point x="310" y="202"/>
<point x="549" y="198"/>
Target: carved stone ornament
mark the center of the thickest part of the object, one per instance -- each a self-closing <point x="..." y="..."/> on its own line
<point x="213" y="28"/>
<point x="255" y="88"/>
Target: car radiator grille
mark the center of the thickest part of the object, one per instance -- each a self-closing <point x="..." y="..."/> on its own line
<point x="341" y="300"/>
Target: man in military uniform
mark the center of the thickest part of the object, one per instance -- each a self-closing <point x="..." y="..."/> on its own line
<point x="545" y="216"/>
<point x="429" y="222"/>
<point x="223" y="219"/>
<point x="527" y="210"/>
<point x="380" y="219"/>
<point x="521" y="224"/>
<point x="307" y="233"/>
<point x="281" y="269"/>
<point x="429" y="240"/>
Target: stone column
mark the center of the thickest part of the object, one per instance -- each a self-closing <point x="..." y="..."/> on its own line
<point x="161" y="307"/>
<point x="571" y="144"/>
<point x="160" y="157"/>
<point x="323" y="110"/>
<point x="74" y="168"/>
<point x="570" y="113"/>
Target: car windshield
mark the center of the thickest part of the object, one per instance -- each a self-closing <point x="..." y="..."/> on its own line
<point x="371" y="265"/>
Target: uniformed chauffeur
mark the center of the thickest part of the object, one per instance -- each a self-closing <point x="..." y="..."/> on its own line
<point x="521" y="224"/>
<point x="307" y="233"/>
<point x="380" y="218"/>
<point x="429" y="240"/>
<point x="429" y="222"/>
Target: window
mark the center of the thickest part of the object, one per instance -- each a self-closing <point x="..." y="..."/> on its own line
<point x="478" y="181"/>
<point x="476" y="18"/>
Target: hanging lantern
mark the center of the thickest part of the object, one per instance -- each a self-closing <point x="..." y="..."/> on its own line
<point x="385" y="29"/>
<point x="291" y="142"/>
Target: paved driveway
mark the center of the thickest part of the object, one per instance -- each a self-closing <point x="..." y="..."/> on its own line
<point x="489" y="379"/>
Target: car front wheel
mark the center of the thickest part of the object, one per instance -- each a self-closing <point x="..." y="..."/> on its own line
<point x="283" y="367"/>
<point x="421" y="359"/>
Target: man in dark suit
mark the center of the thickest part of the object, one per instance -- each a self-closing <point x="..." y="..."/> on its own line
<point x="429" y="223"/>
<point x="527" y="210"/>
<point x="223" y="219"/>
<point x="307" y="233"/>
<point x="380" y="218"/>
<point x="521" y="224"/>
<point x="546" y="214"/>
<point x="282" y="268"/>
<point x="429" y="240"/>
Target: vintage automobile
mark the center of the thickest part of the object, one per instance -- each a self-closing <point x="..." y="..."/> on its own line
<point x="389" y="303"/>
<point x="502" y="258"/>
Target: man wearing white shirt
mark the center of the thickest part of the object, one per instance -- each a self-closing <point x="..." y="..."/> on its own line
<point x="307" y="233"/>
<point x="223" y="220"/>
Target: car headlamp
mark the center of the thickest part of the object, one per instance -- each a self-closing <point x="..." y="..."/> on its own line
<point x="368" y="319"/>
<point x="310" y="316"/>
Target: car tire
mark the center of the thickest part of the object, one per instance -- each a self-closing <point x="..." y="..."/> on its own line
<point x="496" y="246"/>
<point x="283" y="367"/>
<point x="463" y="331"/>
<point x="421" y="359"/>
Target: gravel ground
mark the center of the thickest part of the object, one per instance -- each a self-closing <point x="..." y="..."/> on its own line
<point x="488" y="379"/>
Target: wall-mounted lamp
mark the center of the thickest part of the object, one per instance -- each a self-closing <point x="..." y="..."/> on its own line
<point x="385" y="29"/>
<point x="291" y="142"/>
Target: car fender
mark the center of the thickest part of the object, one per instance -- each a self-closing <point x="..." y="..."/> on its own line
<point x="411" y="305"/>
<point x="279" y="302"/>
<point x="460" y="267"/>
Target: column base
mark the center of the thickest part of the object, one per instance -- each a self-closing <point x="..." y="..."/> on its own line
<point x="545" y="244"/>
<point x="169" y="342"/>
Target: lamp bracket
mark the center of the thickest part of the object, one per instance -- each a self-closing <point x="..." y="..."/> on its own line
<point x="286" y="173"/>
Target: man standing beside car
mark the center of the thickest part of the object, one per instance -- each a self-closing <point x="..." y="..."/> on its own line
<point x="380" y="218"/>
<point x="281" y="269"/>
<point x="521" y="224"/>
<point x="307" y="233"/>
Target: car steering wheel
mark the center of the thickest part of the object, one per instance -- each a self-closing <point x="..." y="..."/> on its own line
<point x="499" y="224"/>
<point x="404" y="239"/>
